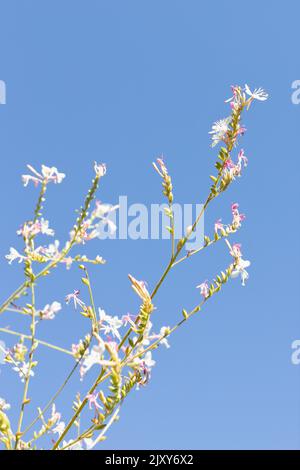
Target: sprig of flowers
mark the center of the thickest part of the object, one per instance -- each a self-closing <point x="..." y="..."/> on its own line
<point x="120" y="348"/>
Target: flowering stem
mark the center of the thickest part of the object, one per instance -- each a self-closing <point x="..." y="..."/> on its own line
<point x="65" y="252"/>
<point x="38" y="208"/>
<point x="99" y="379"/>
<point x="194" y="252"/>
<point x="79" y="438"/>
<point x="125" y="362"/>
<point x="95" y="328"/>
<point x="213" y="193"/>
<point x="102" y="433"/>
<point x="25" y="400"/>
<point x="58" y="392"/>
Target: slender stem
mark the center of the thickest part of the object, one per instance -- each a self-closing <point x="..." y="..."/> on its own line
<point x="27" y="379"/>
<point x="13" y="296"/>
<point x="173" y="231"/>
<point x="16" y="310"/>
<point x="37" y="341"/>
<point x="126" y="361"/>
<point x="39" y="204"/>
<point x="79" y="437"/>
<point x="95" y="322"/>
<point x="103" y="432"/>
<point x="164" y="275"/>
<point x="99" y="379"/>
<point x="194" y="252"/>
<point x="58" y="392"/>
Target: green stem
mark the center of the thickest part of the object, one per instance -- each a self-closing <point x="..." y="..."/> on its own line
<point x="27" y="379"/>
<point x="64" y="253"/>
<point x="99" y="379"/>
<point x="58" y="392"/>
<point x="95" y="322"/>
<point x="37" y="341"/>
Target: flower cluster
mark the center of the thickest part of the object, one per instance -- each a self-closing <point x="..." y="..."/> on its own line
<point x="240" y="265"/>
<point x="47" y="175"/>
<point x="221" y="129"/>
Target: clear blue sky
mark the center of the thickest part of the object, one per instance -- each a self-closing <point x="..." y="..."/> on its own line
<point x="121" y="82"/>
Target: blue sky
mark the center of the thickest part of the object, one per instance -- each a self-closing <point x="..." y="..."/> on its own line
<point x="122" y="82"/>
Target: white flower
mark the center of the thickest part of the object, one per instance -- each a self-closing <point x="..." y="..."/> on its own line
<point x="51" y="250"/>
<point x="148" y="361"/>
<point x="94" y="357"/>
<point x="59" y="428"/>
<point x="49" y="311"/>
<point x="44" y="227"/>
<point x="100" y="169"/>
<point x="47" y="174"/>
<point x="103" y="209"/>
<point x="164" y="340"/>
<point x="55" y="415"/>
<point x="145" y="361"/>
<point x="23" y="371"/>
<point x="240" y="270"/>
<point x="112" y="324"/>
<point x="4" y="405"/>
<point x="219" y="130"/>
<point x="51" y="173"/>
<point x="147" y="337"/>
<point x="258" y="94"/>
<point x="13" y="255"/>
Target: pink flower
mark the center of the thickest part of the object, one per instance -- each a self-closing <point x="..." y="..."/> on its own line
<point x="204" y="289"/>
<point x="237" y="217"/>
<point x="75" y="297"/>
<point x="236" y="250"/>
<point x="40" y="226"/>
<point x="92" y="400"/>
<point x="145" y="365"/>
<point x="218" y="225"/>
<point x="237" y="98"/>
<point x="228" y="165"/>
<point x="234" y="207"/>
<point x="241" y="131"/>
<point x="242" y="159"/>
<point x="55" y="415"/>
<point x="128" y="318"/>
<point x="49" y="311"/>
<point x="160" y="167"/>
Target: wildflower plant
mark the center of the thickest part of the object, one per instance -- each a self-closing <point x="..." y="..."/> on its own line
<point x="119" y="348"/>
